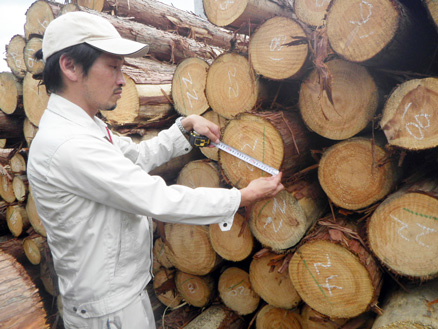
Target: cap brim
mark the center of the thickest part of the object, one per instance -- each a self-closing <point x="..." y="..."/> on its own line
<point x="120" y="46"/>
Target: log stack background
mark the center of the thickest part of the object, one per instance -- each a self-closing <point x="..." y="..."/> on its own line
<point x="340" y="95"/>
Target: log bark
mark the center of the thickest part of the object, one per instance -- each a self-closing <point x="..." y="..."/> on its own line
<point x="11" y="93"/>
<point x="334" y="273"/>
<point x="163" y="45"/>
<point x="233" y="245"/>
<point x="200" y="173"/>
<point x="232" y="87"/>
<point x="213" y="152"/>
<point x="33" y="65"/>
<point x="281" y="222"/>
<point x="408" y="119"/>
<point x="169" y="18"/>
<point x="189" y="249"/>
<point x="410" y="309"/>
<point x="197" y="291"/>
<point x="236" y="291"/>
<point x="271" y="317"/>
<point x="356" y="173"/>
<point x="188" y="87"/>
<point x="311" y="12"/>
<point x="380" y="33"/>
<point x="278" y="139"/>
<point x="404" y="226"/>
<point x="217" y="317"/>
<point x="15" y="56"/>
<point x="278" y="49"/>
<point x="35" y="99"/>
<point x="341" y="106"/>
<point x="17" y="219"/>
<point x="18" y="292"/>
<point x="244" y="14"/>
<point x="272" y="283"/>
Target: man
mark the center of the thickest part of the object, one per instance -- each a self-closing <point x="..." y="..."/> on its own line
<point x="92" y="188"/>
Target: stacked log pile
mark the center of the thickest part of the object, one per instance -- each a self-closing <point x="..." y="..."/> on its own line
<point x="340" y="95"/>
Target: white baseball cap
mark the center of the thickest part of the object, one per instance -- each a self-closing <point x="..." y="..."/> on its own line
<point x="78" y="27"/>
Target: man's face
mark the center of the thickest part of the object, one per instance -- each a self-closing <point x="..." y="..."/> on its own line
<point x="102" y="87"/>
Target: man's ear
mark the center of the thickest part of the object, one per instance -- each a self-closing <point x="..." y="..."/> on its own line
<point x="69" y="68"/>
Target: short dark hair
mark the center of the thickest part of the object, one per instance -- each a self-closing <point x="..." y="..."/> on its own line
<point x="82" y="54"/>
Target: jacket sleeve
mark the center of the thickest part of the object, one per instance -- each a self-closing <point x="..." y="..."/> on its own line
<point x="99" y="171"/>
<point x="149" y="154"/>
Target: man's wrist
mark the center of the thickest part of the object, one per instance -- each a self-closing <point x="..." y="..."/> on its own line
<point x="181" y="126"/>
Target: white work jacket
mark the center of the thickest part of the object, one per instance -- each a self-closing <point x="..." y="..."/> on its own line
<point x="93" y="193"/>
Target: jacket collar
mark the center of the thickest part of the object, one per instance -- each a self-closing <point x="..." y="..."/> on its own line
<point x="72" y="112"/>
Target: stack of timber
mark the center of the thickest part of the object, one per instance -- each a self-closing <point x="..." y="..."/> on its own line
<point x="339" y="95"/>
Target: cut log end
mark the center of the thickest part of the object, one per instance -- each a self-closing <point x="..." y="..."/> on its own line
<point x="15" y="56"/>
<point x="232" y="87"/>
<point x="11" y="92"/>
<point x="188" y="87"/>
<point x="236" y="292"/>
<point x="354" y="175"/>
<point x="213" y="152"/>
<point x="271" y="317"/>
<point x="326" y="274"/>
<point x="38" y="17"/>
<point x="255" y="137"/>
<point x="355" y="100"/>
<point x="408" y="119"/>
<point x="311" y="12"/>
<point x="273" y="286"/>
<point x="195" y="290"/>
<point x="407" y="221"/>
<point x="232" y="245"/>
<point x="278" y="49"/>
<point x="35" y="99"/>
<point x="359" y="30"/>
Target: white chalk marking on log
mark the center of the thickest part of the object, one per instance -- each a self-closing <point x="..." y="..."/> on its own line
<point x="269" y="220"/>
<point x="189" y="95"/>
<point x="227" y="2"/>
<point x="250" y="168"/>
<point x="419" y="125"/>
<point x="328" y="286"/>
<point x="230" y="88"/>
<point x="403" y="224"/>
<point x="360" y="23"/>
<point x="329" y="264"/>
<point x="426" y="230"/>
<point x="320" y="3"/>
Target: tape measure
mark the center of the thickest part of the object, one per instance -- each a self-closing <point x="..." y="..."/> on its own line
<point x="202" y="141"/>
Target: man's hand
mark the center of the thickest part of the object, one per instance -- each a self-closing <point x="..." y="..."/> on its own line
<point x="261" y="188"/>
<point x="202" y="126"/>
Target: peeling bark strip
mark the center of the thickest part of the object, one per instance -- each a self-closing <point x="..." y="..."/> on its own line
<point x="409" y="116"/>
<point x="311" y="12"/>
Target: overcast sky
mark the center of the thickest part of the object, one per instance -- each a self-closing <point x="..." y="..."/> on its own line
<point x="12" y="19"/>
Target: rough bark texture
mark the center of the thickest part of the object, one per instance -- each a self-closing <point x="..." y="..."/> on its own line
<point x="171" y="19"/>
